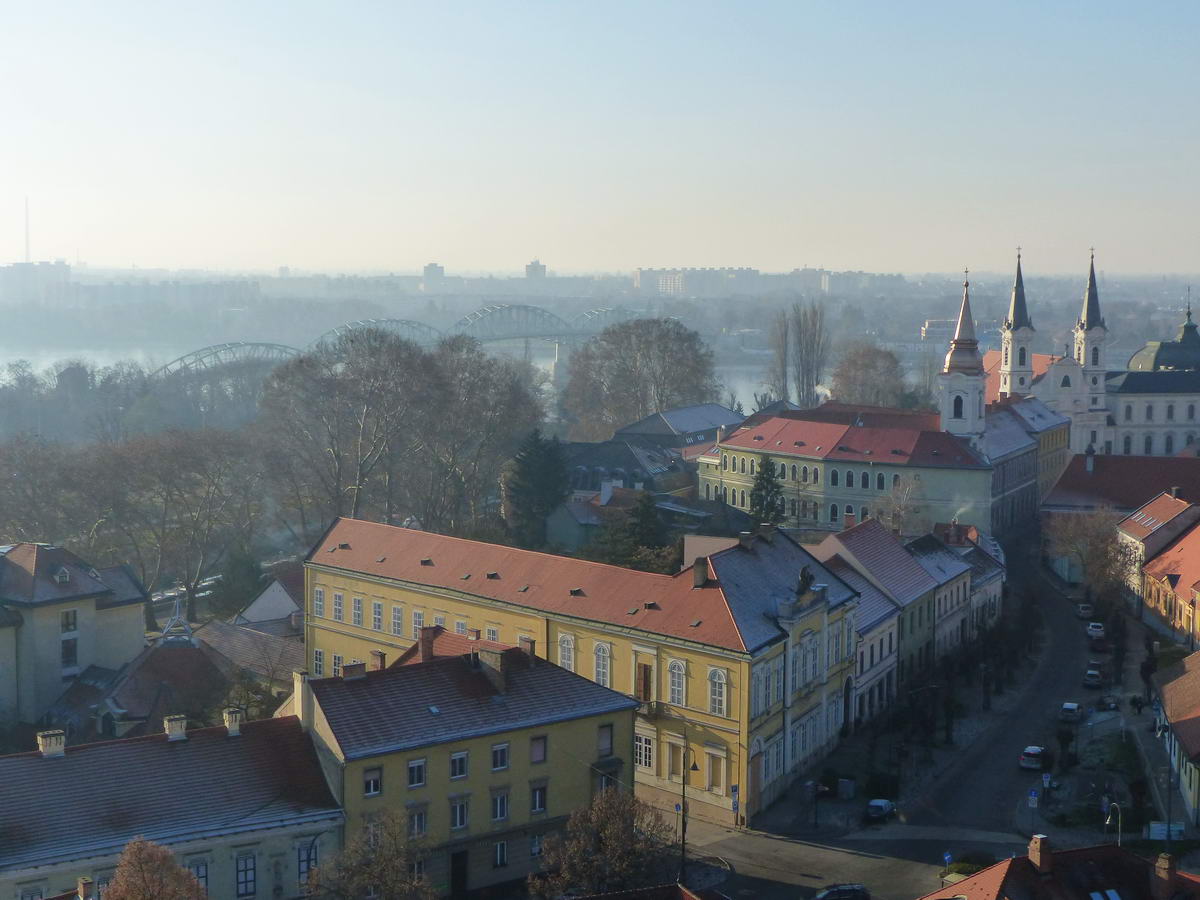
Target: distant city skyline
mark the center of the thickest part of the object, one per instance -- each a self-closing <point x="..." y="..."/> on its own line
<point x="884" y="138"/>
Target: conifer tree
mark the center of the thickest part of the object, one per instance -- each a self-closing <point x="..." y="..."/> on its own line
<point x="766" y="496"/>
<point x="537" y="483"/>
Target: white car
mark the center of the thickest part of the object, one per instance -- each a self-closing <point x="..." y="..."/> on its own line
<point x="1095" y="629"/>
<point x="1069" y="712"/>
<point x="1031" y="757"/>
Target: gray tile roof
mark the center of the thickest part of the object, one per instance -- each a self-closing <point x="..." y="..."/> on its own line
<point x="685" y="420"/>
<point x="266" y="655"/>
<point x="97" y="797"/>
<point x="942" y="563"/>
<point x="446" y="700"/>
<point x="1005" y="435"/>
<point x="885" y="560"/>
<point x="874" y="607"/>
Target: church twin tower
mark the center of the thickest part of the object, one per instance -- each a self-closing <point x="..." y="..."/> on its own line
<point x="962" y="382"/>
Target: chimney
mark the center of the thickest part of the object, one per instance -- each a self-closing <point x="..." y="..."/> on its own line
<point x="1163" y="885"/>
<point x="606" y="488"/>
<point x="700" y="572"/>
<point x="355" y="671"/>
<point x="1040" y="854"/>
<point x="378" y="660"/>
<point x="233" y="721"/>
<point x="473" y="634"/>
<point x="529" y="646"/>
<point x="767" y="530"/>
<point x="425" y="641"/>
<point x="302" y="699"/>
<point x="175" y="727"/>
<point x="296" y="619"/>
<point x="493" y="664"/>
<point x="1089" y="459"/>
<point x="52" y="744"/>
<point x="746" y="539"/>
<point x="85" y="888"/>
<point x="849" y="520"/>
<point x="720" y="433"/>
<point x="1175" y="491"/>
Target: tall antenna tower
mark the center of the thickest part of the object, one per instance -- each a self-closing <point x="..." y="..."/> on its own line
<point x="27" y="230"/>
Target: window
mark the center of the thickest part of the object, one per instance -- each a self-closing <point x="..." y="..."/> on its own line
<point x="1149" y="445"/>
<point x="306" y="860"/>
<point x="849" y="478"/>
<point x="863" y="511"/>
<point x="743" y="467"/>
<point x="958" y="408"/>
<point x="643" y="751"/>
<point x="439" y="620"/>
<point x="1095" y="356"/>
<point x="499" y="757"/>
<point x="566" y="652"/>
<point x="377" y="615"/>
<point x="199" y="870"/>
<point x="537" y="749"/>
<point x="833" y="477"/>
<point x="460" y="811"/>
<point x="1020" y="356"/>
<point x="500" y="854"/>
<point x="318" y="662"/>
<point x="1169" y="444"/>
<point x="743" y="503"/>
<point x="1191" y="411"/>
<point x="707" y="491"/>
<point x="372" y="782"/>
<point x="418" y="622"/>
<point x="864" y="480"/>
<point x="416" y="868"/>
<point x="537" y="798"/>
<point x="643" y="684"/>
<point x="1127" y="445"/>
<point x="458" y="764"/>
<point x="794" y="472"/>
<point x="460" y="627"/>
<point x="417" y="823"/>
<point x="716" y="692"/>
<point x="751" y="467"/>
<point x="337" y="665"/>
<point x="338" y="608"/>
<point x="816" y="473"/>
<point x="602" y="667"/>
<point x="535" y="845"/>
<point x="1128" y="412"/>
<point x="358" y="612"/>
<point x="69" y="621"/>
<point x="676" y="674"/>
<point x="398" y="620"/>
<point x="319" y="602"/>
<point x="1149" y="412"/>
<point x="500" y="806"/>
<point x="1066" y="381"/>
<point x="880" y="482"/>
<point x="895" y="481"/>
<point x="724" y="462"/>
<point x="833" y="512"/>
<point x="1170" y="412"/>
<point x="246" y="875"/>
<point x="416" y="773"/>
<point x="32" y="894"/>
<point x="604" y="741"/>
<point x="70" y="653"/>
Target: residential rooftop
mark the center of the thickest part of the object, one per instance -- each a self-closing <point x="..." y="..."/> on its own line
<point x="1122" y="483"/>
<point x="1151" y="516"/>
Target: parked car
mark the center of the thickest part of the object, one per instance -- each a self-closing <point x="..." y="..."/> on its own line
<point x="1069" y="712"/>
<point x="1031" y="757"/>
<point x="1095" y="629"/>
<point x="1108" y="702"/>
<point x="1093" y="679"/>
<point x="880" y="810"/>
<point x="1100" y="645"/>
<point x="1085" y="610"/>
<point x="844" y="892"/>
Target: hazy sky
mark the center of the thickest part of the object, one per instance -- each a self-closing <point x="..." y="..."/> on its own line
<point x="603" y="136"/>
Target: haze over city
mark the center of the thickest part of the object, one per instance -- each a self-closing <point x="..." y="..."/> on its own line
<point x="363" y="137"/>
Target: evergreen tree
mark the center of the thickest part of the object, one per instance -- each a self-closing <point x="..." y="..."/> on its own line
<point x="537" y="483"/>
<point x="766" y="496"/>
<point x="645" y="527"/>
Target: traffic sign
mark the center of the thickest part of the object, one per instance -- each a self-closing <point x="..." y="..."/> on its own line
<point x="677" y="807"/>
<point x="735" y="804"/>
<point x="1045" y="779"/>
<point x="1033" y="798"/>
<point x="947" y="857"/>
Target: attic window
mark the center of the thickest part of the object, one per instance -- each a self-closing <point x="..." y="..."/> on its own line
<point x="464" y="577"/>
<point x="522" y="589"/>
<point x="576" y="592"/>
<point x="896" y="451"/>
<point x="779" y="443"/>
<point x="427" y="561"/>
<point x="343" y="546"/>
<point x="797" y="443"/>
<point x="694" y="624"/>
<point x="62" y="576"/>
<point x="758" y="437"/>
<point x="650" y="604"/>
<point x="434" y="710"/>
<point x="330" y="549"/>
<point x="632" y="612"/>
<point x="493" y="575"/>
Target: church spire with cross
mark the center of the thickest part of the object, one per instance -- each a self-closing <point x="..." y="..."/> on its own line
<point x="964" y="348"/>
<point x="1016" y="339"/>
<point x="961" y="382"/>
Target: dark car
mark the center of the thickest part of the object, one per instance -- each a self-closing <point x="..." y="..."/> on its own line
<point x="879" y="810"/>
<point x="844" y="892"/>
<point x="1100" y="645"/>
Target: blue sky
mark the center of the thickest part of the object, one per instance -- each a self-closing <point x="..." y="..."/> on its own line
<point x="603" y="136"/>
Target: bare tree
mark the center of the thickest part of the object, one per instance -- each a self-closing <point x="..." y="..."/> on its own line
<point x="380" y="861"/>
<point x="1090" y="540"/>
<point x="869" y="375"/>
<point x="148" y="871"/>
<point x="810" y="350"/>
<point x="902" y="512"/>
<point x="779" y="377"/>
<point x="616" y="843"/>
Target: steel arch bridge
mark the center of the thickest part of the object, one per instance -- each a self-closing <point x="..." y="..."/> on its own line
<point x="596" y="320"/>
<point x="219" y="356"/>
<point x="506" y="321"/>
<point x="417" y="332"/>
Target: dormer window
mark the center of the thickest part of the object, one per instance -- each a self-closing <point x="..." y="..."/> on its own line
<point x="62" y="576"/>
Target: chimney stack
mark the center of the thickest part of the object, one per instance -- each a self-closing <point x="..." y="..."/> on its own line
<point x="233" y="721"/>
<point x="848" y="519"/>
<point x="721" y="430"/>
<point x="700" y="572"/>
<point x="767" y="531"/>
<point x="529" y="645"/>
<point x="85" y="888"/>
<point x="175" y="727"/>
<point x="302" y="699"/>
<point x="746" y="539"/>
<point x="1040" y="854"/>
<point x="52" y="744"/>
<point x="1175" y="491"/>
<point x="1163" y="885"/>
<point x="378" y="660"/>
<point x="296" y="619"/>
<point x="493" y="665"/>
<point x="606" y="491"/>
<point x="425" y="641"/>
<point x="1089" y="459"/>
<point x="354" y="671"/>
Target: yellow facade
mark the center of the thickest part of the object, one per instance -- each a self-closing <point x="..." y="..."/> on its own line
<point x="696" y="704"/>
<point x="1054" y="452"/>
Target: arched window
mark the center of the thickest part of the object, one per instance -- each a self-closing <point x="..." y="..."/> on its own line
<point x="751" y="467"/>
<point x="1190" y="439"/>
<point x="743" y="503"/>
<point x="725" y="493"/>
<point x="724" y="462"/>
<point x="1095" y="356"/>
<point x="566" y="652"/>
<point x="817" y="475"/>
<point x="677" y="687"/>
<point x="1066" y="381"/>
<point x="1128" y="444"/>
<point x="794" y="473"/>
<point x="864" y="480"/>
<point x="1006" y="354"/>
<point x="743" y="465"/>
<point x="958" y="408"/>
<point x="1128" y="412"/>
<point x="707" y="489"/>
<point x="602" y="667"/>
<point x="1169" y="444"/>
<point x="879" y="482"/>
<point x="782" y="471"/>
<point x="862" y="513"/>
<point x="833" y="478"/>
<point x="1170" y="412"/>
<point x="1149" y="412"/>
<point x="1021" y="357"/>
<point x="849" y="478"/>
<point x="716" y="692"/>
<point x="804" y="474"/>
<point x="833" y="513"/>
<point x="1191" y="411"/>
<point x="804" y="509"/>
<point x="895" y="480"/>
<point x="1148" y="444"/>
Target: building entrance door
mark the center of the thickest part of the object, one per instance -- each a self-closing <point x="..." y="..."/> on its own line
<point x="458" y="874"/>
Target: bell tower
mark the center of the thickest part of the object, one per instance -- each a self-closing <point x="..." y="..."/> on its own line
<point x="1090" y="333"/>
<point x="961" y="382"/>
<point x="1016" y="334"/>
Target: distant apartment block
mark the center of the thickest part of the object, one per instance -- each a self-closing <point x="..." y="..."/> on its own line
<point x="535" y="269"/>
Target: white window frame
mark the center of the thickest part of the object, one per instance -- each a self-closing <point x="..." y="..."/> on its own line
<point x="356" y="611"/>
<point x="339" y="607"/>
<point x="677" y="691"/>
<point x="602" y="672"/>
<point x="464" y="757"/>
<point x="398" y="621"/>
<point x="319" y="602"/>
<point x="318" y="662"/>
<point x="502" y="749"/>
<point x="566" y="660"/>
<point x="500" y="806"/>
<point x="493" y="634"/>
<point x="337" y="665"/>
<point x="718" y="700"/>
<point x="500" y="855"/>
<point x="460" y="809"/>
<point x="460" y="627"/>
<point x="377" y="615"/>
<point x="418" y="622"/>
<point x="422" y="766"/>
<point x="643" y="751"/>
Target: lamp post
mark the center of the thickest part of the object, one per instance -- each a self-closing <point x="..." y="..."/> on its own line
<point x="1109" y="820"/>
<point x="683" y="805"/>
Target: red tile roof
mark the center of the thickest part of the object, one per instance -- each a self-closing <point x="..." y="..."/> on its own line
<point x="291" y="579"/>
<point x="1122" y="482"/>
<point x="1040" y="363"/>
<point x="447" y="643"/>
<point x="1178" y="564"/>
<point x="28" y="570"/>
<point x="881" y="557"/>
<point x="1179" y="687"/>
<point x="867" y="416"/>
<point x="1148" y="518"/>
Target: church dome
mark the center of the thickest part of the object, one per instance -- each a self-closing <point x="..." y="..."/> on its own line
<point x="1181" y="354"/>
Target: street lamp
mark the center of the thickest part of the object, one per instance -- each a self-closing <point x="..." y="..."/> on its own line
<point x="683" y="781"/>
<point x="1109" y="820"/>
